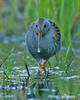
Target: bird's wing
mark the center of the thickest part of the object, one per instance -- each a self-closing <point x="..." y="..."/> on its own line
<point x="56" y="32"/>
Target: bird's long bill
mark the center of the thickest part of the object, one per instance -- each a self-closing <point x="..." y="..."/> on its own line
<point x="39" y="38"/>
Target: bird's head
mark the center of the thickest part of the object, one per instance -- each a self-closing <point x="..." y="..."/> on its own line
<point x="41" y="28"/>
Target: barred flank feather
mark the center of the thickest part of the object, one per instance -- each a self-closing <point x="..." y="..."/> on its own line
<point x="56" y="34"/>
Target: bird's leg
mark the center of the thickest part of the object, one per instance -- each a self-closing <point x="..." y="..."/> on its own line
<point x="40" y="68"/>
<point x="46" y="73"/>
<point x="44" y="64"/>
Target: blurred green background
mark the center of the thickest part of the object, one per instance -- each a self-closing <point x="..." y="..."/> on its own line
<point x="15" y="18"/>
<point x="17" y="15"/>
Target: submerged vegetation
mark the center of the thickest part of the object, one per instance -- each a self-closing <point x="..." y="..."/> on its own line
<point x="63" y="78"/>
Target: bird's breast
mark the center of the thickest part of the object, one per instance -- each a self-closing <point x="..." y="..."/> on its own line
<point x="47" y="44"/>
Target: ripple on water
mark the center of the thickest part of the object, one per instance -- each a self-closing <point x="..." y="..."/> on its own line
<point x="72" y="77"/>
<point x="54" y="96"/>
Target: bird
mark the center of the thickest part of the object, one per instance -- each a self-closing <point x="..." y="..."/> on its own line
<point x="43" y="40"/>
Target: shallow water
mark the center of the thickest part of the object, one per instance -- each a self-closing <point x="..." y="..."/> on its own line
<point x="55" y="84"/>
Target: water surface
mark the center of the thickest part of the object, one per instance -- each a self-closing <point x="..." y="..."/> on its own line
<point x="54" y="85"/>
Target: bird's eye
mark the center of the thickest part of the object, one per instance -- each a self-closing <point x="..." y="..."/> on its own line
<point x="45" y="26"/>
<point x="36" y="26"/>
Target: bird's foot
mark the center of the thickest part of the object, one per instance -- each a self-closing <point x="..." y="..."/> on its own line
<point x="41" y="70"/>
